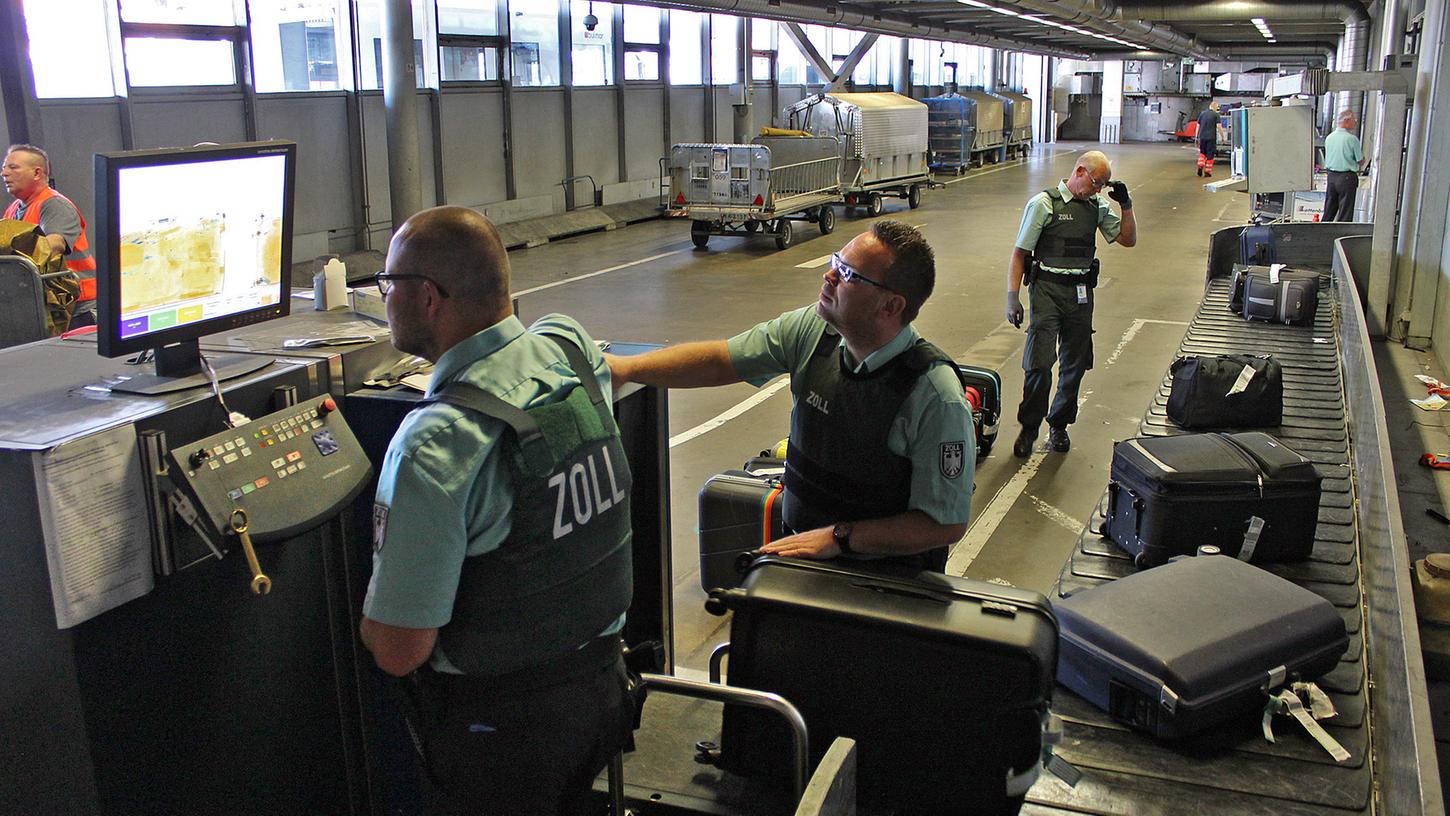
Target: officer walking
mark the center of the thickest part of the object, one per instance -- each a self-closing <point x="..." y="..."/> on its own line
<point x="501" y="565"/>
<point x="1343" y="160"/>
<point x="1056" y="253"/>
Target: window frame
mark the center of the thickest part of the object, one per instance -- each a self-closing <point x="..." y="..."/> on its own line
<point x="239" y="36"/>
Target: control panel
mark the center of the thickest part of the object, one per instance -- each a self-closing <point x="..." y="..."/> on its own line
<point x="274" y="477"/>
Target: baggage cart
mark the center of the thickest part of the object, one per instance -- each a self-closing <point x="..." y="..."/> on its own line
<point x="1018" y="124"/>
<point x="991" y="137"/>
<point x="757" y="188"/>
<point x="951" y="131"/>
<point x="884" y="138"/>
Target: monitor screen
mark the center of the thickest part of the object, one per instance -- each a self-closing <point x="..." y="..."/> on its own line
<point x="191" y="242"/>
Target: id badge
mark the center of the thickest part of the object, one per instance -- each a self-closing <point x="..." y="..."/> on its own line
<point x="1082" y="293"/>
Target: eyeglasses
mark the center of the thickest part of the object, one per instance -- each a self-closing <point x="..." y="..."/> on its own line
<point x="384" y="280"/>
<point x="848" y="273"/>
<point x="1098" y="185"/>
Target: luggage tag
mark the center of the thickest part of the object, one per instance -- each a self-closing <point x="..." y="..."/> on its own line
<point x="1287" y="702"/>
<point x="1251" y="538"/>
<point x="1082" y="296"/>
<point x="1245" y="377"/>
<point x="1274" y="270"/>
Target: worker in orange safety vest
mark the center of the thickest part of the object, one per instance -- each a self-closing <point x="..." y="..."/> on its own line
<point x="26" y="173"/>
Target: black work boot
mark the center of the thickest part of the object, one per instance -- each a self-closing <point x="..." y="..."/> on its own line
<point x="1057" y="439"/>
<point x="1022" y="448"/>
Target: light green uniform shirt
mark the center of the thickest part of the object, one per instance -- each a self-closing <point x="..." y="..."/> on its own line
<point x="444" y="489"/>
<point x="1342" y="152"/>
<point x="1039" y="211"/>
<point x="935" y="413"/>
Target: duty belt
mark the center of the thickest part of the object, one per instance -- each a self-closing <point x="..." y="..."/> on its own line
<point x="1084" y="276"/>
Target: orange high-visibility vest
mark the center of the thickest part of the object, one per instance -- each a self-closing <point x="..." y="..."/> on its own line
<point x="85" y="267"/>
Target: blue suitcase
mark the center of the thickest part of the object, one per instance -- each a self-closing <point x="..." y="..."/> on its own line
<point x="1256" y="245"/>
<point x="1193" y="643"/>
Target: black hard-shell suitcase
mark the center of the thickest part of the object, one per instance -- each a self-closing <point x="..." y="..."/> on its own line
<point x="1170" y="495"/>
<point x="988" y="415"/>
<point x="1227" y="391"/>
<point x="1196" y="642"/>
<point x="739" y="511"/>
<point x="1256" y="245"/>
<point x="1274" y="297"/>
<point x="944" y="682"/>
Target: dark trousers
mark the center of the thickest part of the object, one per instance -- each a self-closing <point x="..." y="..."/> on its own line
<point x="521" y="751"/>
<point x="1339" y="199"/>
<point x="1061" y="331"/>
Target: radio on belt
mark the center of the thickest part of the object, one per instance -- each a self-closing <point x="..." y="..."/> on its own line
<point x="275" y="477"/>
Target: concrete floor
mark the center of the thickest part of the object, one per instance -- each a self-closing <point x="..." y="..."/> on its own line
<point x="646" y="283"/>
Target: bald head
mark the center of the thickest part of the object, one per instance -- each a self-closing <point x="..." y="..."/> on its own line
<point x="1094" y="161"/>
<point x="461" y="250"/>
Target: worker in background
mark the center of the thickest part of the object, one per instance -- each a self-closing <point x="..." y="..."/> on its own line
<point x="881" y="452"/>
<point x="1343" y="161"/>
<point x="26" y="173"/>
<point x="501" y="528"/>
<point x="1208" y="125"/>
<point x="1056" y="249"/>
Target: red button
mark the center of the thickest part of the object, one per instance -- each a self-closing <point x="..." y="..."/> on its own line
<point x="328" y="405"/>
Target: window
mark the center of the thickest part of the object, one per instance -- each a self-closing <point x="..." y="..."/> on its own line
<point x="152" y="62"/>
<point x="534" y="51"/>
<point x="468" y="17"/>
<point x="724" y="48"/>
<point x="918" y="62"/>
<point x="686" y="55"/>
<point x="592" y="47"/>
<point x="764" y="35"/>
<point x="641" y="25"/>
<point x="469" y="44"/>
<point x="69" y="48"/>
<point x="179" y="12"/>
<point x="790" y="63"/>
<point x="883" y="54"/>
<point x="296" y="47"/>
<point x="820" y="37"/>
<point x="370" y="42"/>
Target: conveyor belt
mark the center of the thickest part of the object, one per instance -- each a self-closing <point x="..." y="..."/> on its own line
<point x="1233" y="770"/>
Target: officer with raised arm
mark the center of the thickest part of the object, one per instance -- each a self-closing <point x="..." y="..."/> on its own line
<point x="1056" y="254"/>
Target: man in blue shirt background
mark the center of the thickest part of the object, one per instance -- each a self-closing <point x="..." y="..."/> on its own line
<point x="1343" y="160"/>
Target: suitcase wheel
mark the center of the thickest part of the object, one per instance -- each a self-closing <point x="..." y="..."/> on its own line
<point x="1140" y="561"/>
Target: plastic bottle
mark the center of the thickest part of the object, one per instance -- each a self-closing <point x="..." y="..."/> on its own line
<point x="330" y="286"/>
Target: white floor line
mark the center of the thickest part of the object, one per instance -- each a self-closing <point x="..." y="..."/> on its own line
<point x="987" y="521"/>
<point x="814" y="262"/>
<point x="755" y="399"/>
<point x="1058" y="516"/>
<point x="1132" y="332"/>
<point x="578" y="278"/>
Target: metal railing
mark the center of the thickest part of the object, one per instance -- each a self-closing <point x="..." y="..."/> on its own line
<point x="808" y="178"/>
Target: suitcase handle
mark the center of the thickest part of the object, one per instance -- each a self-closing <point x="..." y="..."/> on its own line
<point x="1113" y="488"/>
<point x="903" y="591"/>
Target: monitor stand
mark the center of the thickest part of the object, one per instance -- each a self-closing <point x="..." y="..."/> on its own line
<point x="178" y="368"/>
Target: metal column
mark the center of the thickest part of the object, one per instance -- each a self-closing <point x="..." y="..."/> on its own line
<point x="17" y="82"/>
<point x="902" y="81"/>
<point x="400" y="100"/>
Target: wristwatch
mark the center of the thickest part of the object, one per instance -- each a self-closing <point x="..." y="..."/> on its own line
<point x="842" y="533"/>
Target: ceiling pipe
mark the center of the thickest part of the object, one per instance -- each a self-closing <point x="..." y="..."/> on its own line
<point x="1097" y="15"/>
<point x="835" y="14"/>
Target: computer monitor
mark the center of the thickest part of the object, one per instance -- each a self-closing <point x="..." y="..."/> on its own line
<point x="190" y="242"/>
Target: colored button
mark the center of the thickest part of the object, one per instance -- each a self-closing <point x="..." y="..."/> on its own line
<point x="213" y="464"/>
<point x="293" y="468"/>
<point x="262" y="482"/>
<point x="316" y="423"/>
<point x="246" y="451"/>
<point x="281" y="474"/>
<point x="278" y="462"/>
<point x="301" y="465"/>
<point x="248" y="487"/>
<point x="234" y="493"/>
<point x="230" y="458"/>
<point x="231" y="446"/>
<point x="218" y="450"/>
<point x="240" y="441"/>
<point x="294" y="456"/>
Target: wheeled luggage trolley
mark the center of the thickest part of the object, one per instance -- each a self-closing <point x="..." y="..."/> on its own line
<point x="747" y="189"/>
<point x="884" y="136"/>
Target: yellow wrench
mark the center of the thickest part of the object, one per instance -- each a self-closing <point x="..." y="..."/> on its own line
<point x="261" y="584"/>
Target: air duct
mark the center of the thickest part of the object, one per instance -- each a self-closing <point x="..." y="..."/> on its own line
<point x="1097" y="15"/>
<point x="799" y="11"/>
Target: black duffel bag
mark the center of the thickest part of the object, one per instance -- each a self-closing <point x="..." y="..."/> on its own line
<point x="1229" y="391"/>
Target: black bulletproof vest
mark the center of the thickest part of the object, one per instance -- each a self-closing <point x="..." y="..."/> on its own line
<point x="837" y="465"/>
<point x="564" y="573"/>
<point x="1069" y="240"/>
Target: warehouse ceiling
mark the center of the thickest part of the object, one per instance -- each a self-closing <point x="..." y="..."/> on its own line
<point x="1205" y="29"/>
